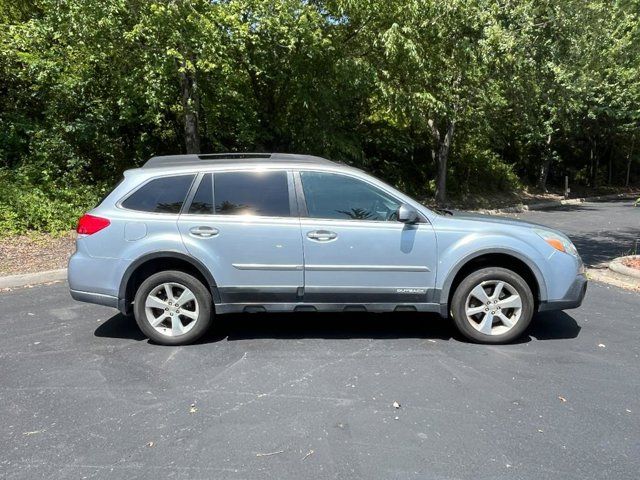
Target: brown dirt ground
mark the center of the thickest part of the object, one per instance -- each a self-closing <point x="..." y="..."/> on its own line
<point x="632" y="263"/>
<point x="35" y="253"/>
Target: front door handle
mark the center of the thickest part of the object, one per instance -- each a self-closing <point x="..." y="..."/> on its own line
<point x="204" y="232"/>
<point x="322" y="235"/>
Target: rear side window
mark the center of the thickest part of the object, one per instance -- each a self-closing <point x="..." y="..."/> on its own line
<point x="251" y="193"/>
<point x="160" y="195"/>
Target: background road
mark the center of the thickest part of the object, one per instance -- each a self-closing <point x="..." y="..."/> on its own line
<point x="83" y="395"/>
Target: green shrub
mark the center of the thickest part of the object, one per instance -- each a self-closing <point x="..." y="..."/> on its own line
<point x="483" y="171"/>
<point x="26" y="207"/>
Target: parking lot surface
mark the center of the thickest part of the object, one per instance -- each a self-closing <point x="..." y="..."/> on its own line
<point x="300" y="396"/>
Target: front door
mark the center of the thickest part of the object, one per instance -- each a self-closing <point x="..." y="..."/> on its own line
<point x="355" y="250"/>
<point x="244" y="227"/>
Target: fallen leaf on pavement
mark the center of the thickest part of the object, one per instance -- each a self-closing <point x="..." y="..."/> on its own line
<point x="269" y="454"/>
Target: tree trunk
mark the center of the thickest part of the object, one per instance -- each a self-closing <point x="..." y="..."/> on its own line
<point x="595" y="164"/>
<point x="546" y="165"/>
<point x="610" y="166"/>
<point x="440" y="154"/>
<point x="629" y="160"/>
<point x="190" y="107"/>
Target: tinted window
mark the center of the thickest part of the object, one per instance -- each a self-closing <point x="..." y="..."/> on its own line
<point x="203" y="199"/>
<point x="162" y="195"/>
<point x="330" y="195"/>
<point x="252" y="193"/>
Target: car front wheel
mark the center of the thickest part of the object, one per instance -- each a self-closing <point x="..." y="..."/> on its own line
<point x="173" y="308"/>
<point x="492" y="305"/>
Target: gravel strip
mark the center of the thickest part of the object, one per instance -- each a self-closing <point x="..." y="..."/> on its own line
<point x="35" y="253"/>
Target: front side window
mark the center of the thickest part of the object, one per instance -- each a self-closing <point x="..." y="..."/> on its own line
<point x="252" y="193"/>
<point x="330" y="195"/>
<point x="160" y="195"/>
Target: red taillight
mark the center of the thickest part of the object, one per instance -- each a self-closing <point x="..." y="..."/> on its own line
<point x="89" y="224"/>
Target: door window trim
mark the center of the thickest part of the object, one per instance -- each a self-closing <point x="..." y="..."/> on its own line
<point x="192" y="193"/>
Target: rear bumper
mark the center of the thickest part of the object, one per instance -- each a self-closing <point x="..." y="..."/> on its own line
<point x="572" y="299"/>
<point x="97" y="298"/>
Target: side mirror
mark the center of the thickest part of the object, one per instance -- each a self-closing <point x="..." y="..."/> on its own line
<point x="407" y="214"/>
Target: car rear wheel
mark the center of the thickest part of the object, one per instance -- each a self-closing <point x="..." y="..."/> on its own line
<point x="173" y="308"/>
<point x="492" y="305"/>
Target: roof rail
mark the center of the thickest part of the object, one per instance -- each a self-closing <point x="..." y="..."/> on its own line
<point x="213" y="158"/>
<point x="209" y="156"/>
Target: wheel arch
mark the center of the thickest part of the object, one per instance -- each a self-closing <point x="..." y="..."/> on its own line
<point x="155" y="262"/>
<point x="493" y="257"/>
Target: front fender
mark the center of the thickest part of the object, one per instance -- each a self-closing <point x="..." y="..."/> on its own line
<point x="456" y="255"/>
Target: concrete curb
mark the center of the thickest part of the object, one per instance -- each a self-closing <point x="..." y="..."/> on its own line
<point x="609" y="277"/>
<point x="617" y="266"/>
<point x="559" y="203"/>
<point x="24" y="279"/>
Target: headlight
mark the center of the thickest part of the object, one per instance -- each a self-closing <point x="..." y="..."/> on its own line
<point x="557" y="241"/>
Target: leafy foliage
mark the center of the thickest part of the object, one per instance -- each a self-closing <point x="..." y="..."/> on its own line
<point x="460" y="96"/>
<point x="25" y="207"/>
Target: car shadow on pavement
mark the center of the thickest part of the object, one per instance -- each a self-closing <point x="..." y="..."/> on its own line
<point x="553" y="326"/>
<point x="342" y="326"/>
<point x="337" y="326"/>
<point x="119" y="326"/>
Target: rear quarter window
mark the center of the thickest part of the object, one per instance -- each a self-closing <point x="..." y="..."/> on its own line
<point x="160" y="195"/>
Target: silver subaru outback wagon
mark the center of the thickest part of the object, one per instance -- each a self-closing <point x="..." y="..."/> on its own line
<point x="189" y="237"/>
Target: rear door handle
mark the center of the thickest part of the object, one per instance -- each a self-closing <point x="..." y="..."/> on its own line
<point x="322" y="235"/>
<point x="204" y="232"/>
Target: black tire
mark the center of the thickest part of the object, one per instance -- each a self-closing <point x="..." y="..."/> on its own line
<point x="202" y="297"/>
<point x="491" y="274"/>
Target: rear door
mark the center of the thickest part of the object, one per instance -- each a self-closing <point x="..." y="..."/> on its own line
<point x="355" y="250"/>
<point x="243" y="226"/>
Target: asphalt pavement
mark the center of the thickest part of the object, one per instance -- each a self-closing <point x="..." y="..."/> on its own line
<point x="600" y="230"/>
<point x="311" y="396"/>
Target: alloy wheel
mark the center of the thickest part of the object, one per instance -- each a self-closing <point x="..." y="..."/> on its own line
<point x="493" y="307"/>
<point x="171" y="309"/>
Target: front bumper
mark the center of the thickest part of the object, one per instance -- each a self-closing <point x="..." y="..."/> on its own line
<point x="572" y="299"/>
